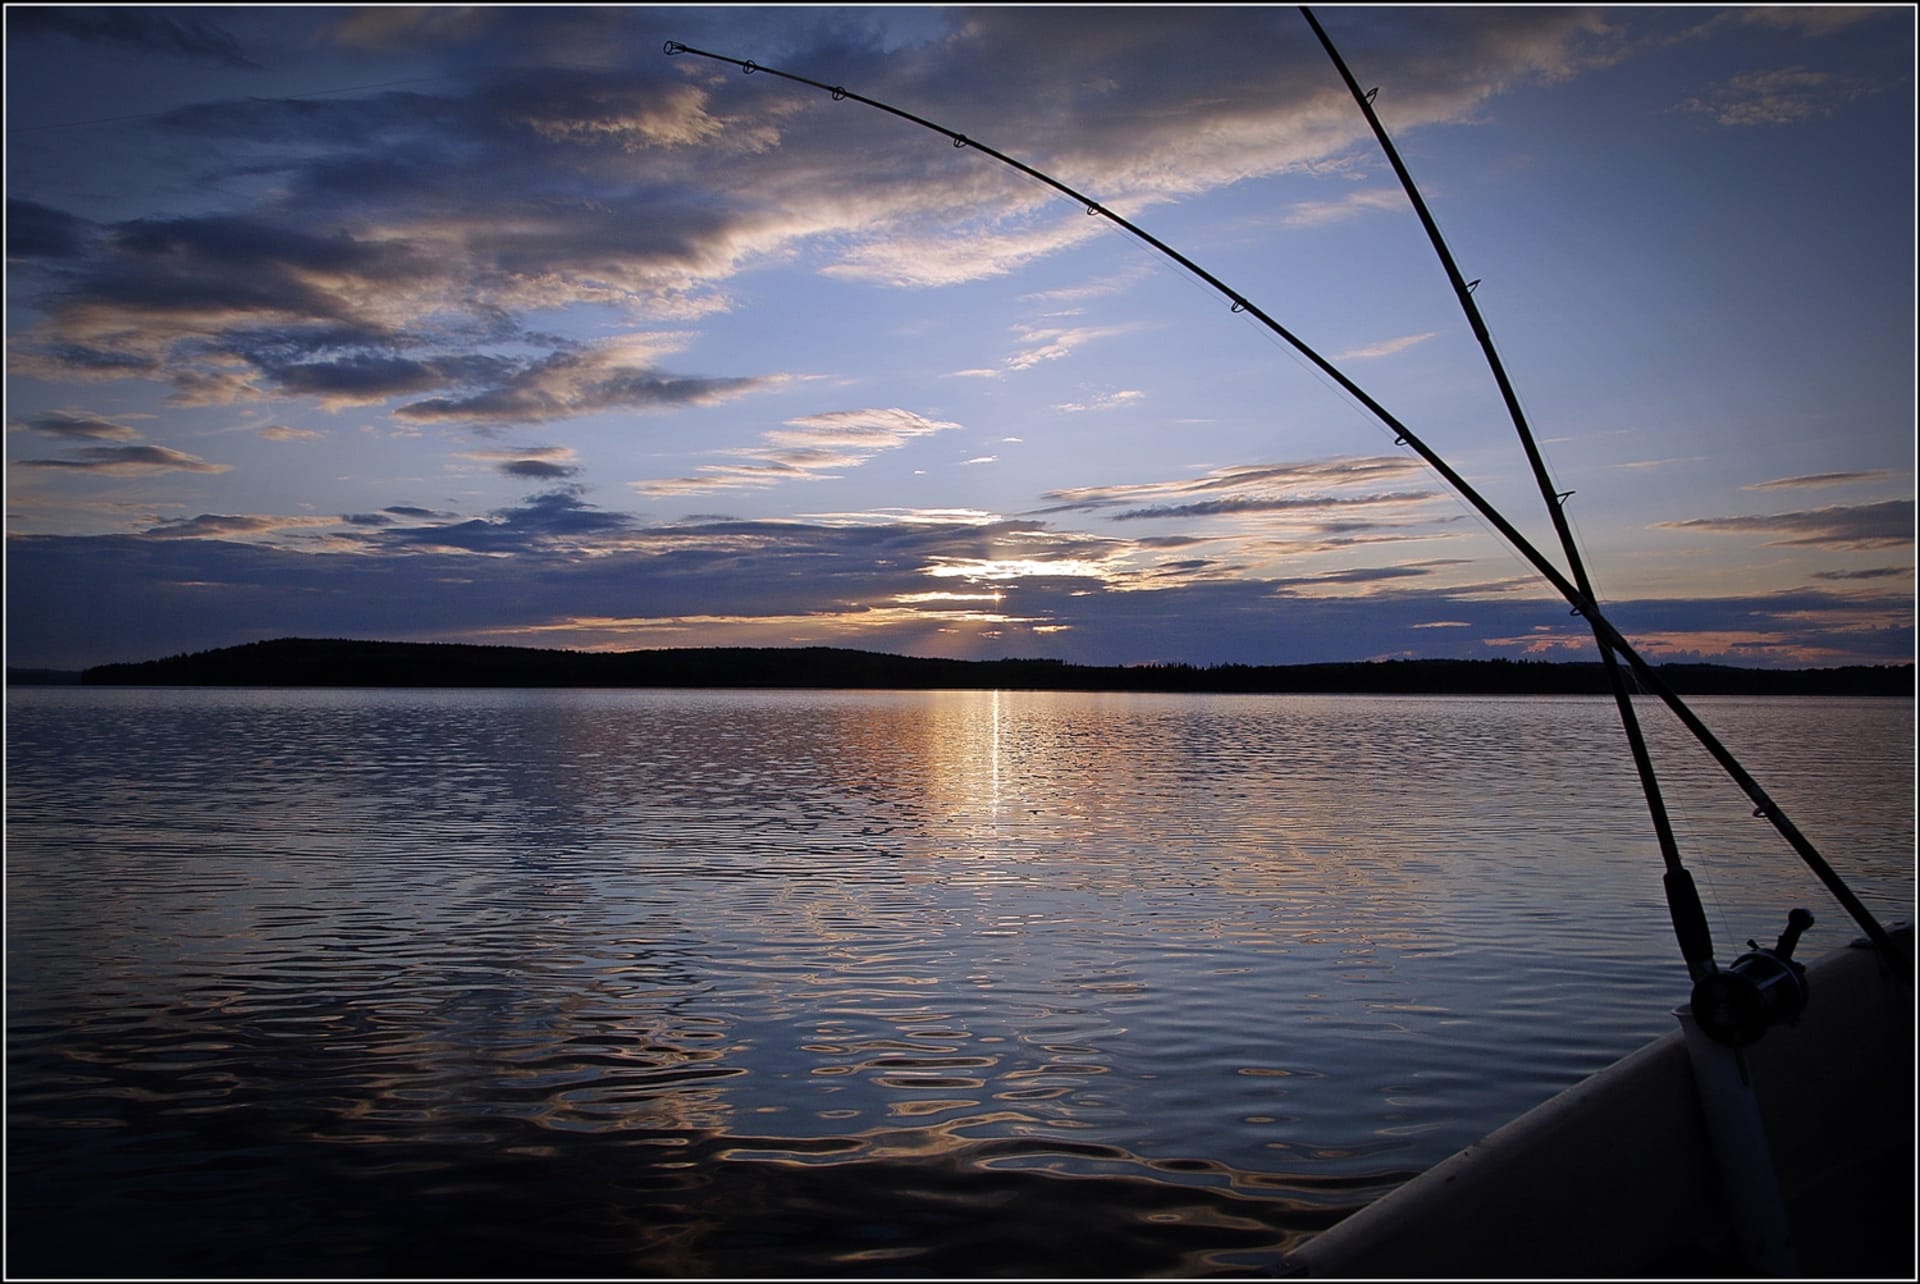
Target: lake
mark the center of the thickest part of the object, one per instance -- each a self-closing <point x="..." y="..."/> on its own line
<point x="764" y="983"/>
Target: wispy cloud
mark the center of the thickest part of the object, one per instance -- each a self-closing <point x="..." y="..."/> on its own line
<point x="1812" y="481"/>
<point x="1385" y="348"/>
<point x="1655" y="465"/>
<point x="223" y="526"/>
<point x="76" y="425"/>
<point x="1779" y="97"/>
<point x="1050" y="343"/>
<point x="1317" y="213"/>
<point x="128" y="461"/>
<point x="1105" y="287"/>
<point x="1101" y="401"/>
<point x="1812" y="20"/>
<point x="1372" y="575"/>
<point x="1872" y="573"/>
<point x="1859" y="526"/>
<point x="1281" y="483"/>
<point x="961" y="255"/>
<point x="805" y="449"/>
<point x="1268" y="503"/>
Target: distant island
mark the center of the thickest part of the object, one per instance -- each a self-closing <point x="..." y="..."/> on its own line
<point x="309" y="662"/>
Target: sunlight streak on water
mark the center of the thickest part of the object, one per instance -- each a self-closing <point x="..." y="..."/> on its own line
<point x="718" y="980"/>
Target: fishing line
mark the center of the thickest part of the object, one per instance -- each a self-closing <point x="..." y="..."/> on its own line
<point x="1610" y="640"/>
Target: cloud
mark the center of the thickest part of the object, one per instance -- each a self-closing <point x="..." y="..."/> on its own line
<point x="1859" y="526"/>
<point x="36" y="231"/>
<point x="556" y="571"/>
<point x="1116" y="283"/>
<point x="224" y="526"/>
<point x="617" y="375"/>
<point x="1255" y="482"/>
<point x="539" y="463"/>
<point x="379" y="28"/>
<point x="1051" y="343"/>
<point x="1811" y="20"/>
<point x="144" y="30"/>
<point x="1818" y="480"/>
<point x="76" y="425"/>
<point x="349" y="318"/>
<point x="1317" y="213"/>
<point x="1104" y="401"/>
<point x="426" y="251"/>
<point x="1874" y="573"/>
<point x="1654" y="465"/>
<point x="366" y="378"/>
<point x="128" y="461"/>
<point x="805" y="449"/>
<point x="1385" y="348"/>
<point x="553" y="522"/>
<point x="1273" y="520"/>
<point x="536" y="468"/>
<point x="352" y="262"/>
<point x="956" y="255"/>
<point x="1368" y="575"/>
<point x="194" y="297"/>
<point x="1779" y="97"/>
<point x="211" y="388"/>
<point x="1273" y="504"/>
<point x="280" y="432"/>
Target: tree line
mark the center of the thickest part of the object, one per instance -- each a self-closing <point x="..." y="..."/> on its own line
<point x="349" y="663"/>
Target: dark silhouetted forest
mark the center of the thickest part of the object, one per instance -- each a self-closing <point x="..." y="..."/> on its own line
<point x="336" y="662"/>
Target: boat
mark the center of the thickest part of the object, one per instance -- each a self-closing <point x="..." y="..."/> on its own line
<point x="1770" y="1134"/>
<point x="1619" y="1175"/>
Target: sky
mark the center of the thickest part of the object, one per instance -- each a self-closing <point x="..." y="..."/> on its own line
<point x="500" y="325"/>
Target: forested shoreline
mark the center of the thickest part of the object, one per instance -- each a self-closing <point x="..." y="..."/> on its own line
<point x="348" y="663"/>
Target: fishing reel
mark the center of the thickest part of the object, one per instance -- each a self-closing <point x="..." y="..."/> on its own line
<point x="1762" y="988"/>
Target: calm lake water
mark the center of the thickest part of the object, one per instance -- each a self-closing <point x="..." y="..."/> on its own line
<point x="555" y="983"/>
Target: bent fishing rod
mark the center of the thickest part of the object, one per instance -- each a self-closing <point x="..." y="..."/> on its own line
<point x="1582" y="601"/>
<point x="1689" y="920"/>
<point x="1683" y="898"/>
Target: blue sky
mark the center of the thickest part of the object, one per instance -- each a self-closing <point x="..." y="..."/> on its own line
<point x="499" y="325"/>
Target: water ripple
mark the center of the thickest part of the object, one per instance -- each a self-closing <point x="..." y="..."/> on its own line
<point x="791" y="983"/>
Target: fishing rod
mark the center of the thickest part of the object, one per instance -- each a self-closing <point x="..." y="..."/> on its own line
<point x="1683" y="899"/>
<point x="1582" y="602"/>
<point x="1721" y="1006"/>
